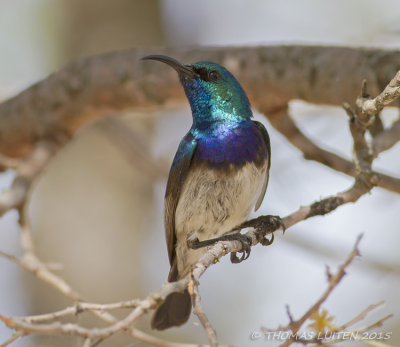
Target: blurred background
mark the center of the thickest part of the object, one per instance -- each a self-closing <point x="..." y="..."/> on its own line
<point x="97" y="209"/>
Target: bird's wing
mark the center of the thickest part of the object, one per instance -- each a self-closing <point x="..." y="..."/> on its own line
<point x="265" y="136"/>
<point x="177" y="175"/>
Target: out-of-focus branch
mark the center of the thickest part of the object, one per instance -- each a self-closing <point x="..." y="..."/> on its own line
<point x="131" y="144"/>
<point x="283" y="122"/>
<point x="386" y="139"/>
<point x="332" y="252"/>
<point x="8" y="163"/>
<point x="33" y="324"/>
<point x="94" y="87"/>
<point x="30" y="262"/>
<point x="324" y="331"/>
<point x="365" y="180"/>
<point x="27" y="170"/>
<point x="368" y="113"/>
<point x="333" y="280"/>
<point x="13" y="338"/>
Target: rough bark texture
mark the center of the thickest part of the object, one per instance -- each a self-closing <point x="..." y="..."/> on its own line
<point x="93" y="87"/>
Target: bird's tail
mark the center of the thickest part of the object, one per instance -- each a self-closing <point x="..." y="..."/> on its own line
<point x="173" y="312"/>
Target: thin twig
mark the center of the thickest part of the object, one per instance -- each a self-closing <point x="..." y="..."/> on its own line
<point x="13" y="338"/>
<point x="284" y="123"/>
<point x="389" y="94"/>
<point x="345" y="335"/>
<point x="193" y="288"/>
<point x="79" y="308"/>
<point x="361" y="315"/>
<point x="324" y="250"/>
<point x="333" y="280"/>
<point x="32" y="263"/>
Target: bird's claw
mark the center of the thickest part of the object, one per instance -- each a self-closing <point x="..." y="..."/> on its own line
<point x="263" y="226"/>
<point x="264" y="241"/>
<point x="246" y="242"/>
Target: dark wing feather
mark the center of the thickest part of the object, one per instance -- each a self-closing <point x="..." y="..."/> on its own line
<point x="177" y="175"/>
<point x="265" y="136"/>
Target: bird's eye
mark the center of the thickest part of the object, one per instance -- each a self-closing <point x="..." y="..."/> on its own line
<point x="213" y="76"/>
<point x="208" y="75"/>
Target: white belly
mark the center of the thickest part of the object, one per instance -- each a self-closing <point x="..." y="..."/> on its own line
<point x="211" y="204"/>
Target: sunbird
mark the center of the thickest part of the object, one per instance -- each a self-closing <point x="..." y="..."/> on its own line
<point x="219" y="174"/>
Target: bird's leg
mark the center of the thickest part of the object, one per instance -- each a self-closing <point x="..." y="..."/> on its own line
<point x="263" y="225"/>
<point x="243" y="239"/>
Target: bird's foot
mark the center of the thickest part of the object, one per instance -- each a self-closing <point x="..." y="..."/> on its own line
<point x="245" y="241"/>
<point x="263" y="226"/>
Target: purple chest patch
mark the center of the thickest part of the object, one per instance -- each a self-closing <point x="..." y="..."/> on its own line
<point x="231" y="146"/>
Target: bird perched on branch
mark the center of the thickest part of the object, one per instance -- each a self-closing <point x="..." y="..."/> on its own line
<point x="219" y="174"/>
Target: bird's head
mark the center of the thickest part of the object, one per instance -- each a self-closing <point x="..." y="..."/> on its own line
<point x="213" y="92"/>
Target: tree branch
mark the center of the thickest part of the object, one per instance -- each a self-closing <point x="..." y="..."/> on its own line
<point x="27" y="170"/>
<point x="91" y="88"/>
<point x="13" y="338"/>
<point x="284" y="123"/>
<point x="386" y="139"/>
<point x="332" y="252"/>
<point x="32" y="263"/>
<point x="333" y="280"/>
<point x="198" y="310"/>
<point x="324" y="329"/>
<point x="389" y="94"/>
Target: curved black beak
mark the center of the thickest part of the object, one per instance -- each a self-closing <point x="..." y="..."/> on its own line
<point x="183" y="70"/>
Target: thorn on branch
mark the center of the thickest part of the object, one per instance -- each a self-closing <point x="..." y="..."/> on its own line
<point x="328" y="273"/>
<point x="289" y="314"/>
<point x="364" y="87"/>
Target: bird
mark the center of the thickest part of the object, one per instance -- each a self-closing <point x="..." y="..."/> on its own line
<point x="218" y="176"/>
